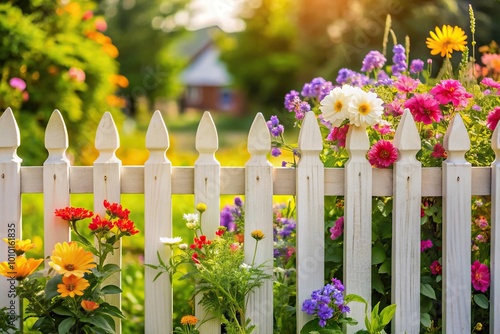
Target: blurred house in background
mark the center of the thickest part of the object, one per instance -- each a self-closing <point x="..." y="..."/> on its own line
<point x="208" y="84"/>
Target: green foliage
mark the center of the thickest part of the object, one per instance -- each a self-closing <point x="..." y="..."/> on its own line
<point x="65" y="63"/>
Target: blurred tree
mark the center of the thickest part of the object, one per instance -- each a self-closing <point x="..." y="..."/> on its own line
<point x="288" y="42"/>
<point x="54" y="55"/>
<point x="144" y="32"/>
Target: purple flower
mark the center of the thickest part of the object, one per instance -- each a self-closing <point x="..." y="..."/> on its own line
<point x="350" y="77"/>
<point x="290" y="99"/>
<point x="227" y="219"/>
<point x="373" y="60"/>
<point x="17" y="83"/>
<point x="399" y="60"/>
<point x="416" y="66"/>
<point x="238" y="202"/>
<point x="275" y="152"/>
<point x="274" y="126"/>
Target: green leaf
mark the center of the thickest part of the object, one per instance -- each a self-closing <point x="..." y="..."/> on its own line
<point x="428" y="291"/>
<point x="111" y="289"/>
<point x="385" y="268"/>
<point x="111" y="268"/>
<point x="66" y="325"/>
<point x="51" y="287"/>
<point x="425" y="320"/>
<point x="481" y="301"/>
<point x="386" y="315"/>
<point x="62" y="311"/>
<point x="99" y="322"/>
<point x="310" y="327"/>
<point x="378" y="255"/>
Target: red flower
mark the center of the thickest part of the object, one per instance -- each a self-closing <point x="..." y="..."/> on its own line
<point x="480" y="276"/>
<point x="424" y="108"/>
<point x="338" y="135"/>
<point x="100" y="224"/>
<point x="382" y="154"/>
<point x="436" y="268"/>
<point x="438" y="151"/>
<point x="493" y="118"/>
<point x="72" y="214"/>
<point x="194" y="257"/>
<point x="126" y="226"/>
<point x="115" y="210"/>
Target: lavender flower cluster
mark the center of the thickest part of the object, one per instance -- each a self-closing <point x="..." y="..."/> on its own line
<point x="231" y="216"/>
<point x="327" y="302"/>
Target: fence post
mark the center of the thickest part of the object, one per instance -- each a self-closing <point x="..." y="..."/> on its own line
<point x="495" y="235"/>
<point x="107" y="186"/>
<point x="10" y="208"/>
<point x="456" y="230"/>
<point x="407" y="189"/>
<point x="207" y="190"/>
<point x="158" y="223"/>
<point x="259" y="215"/>
<point x="358" y="222"/>
<point x="310" y="215"/>
<point x="55" y="183"/>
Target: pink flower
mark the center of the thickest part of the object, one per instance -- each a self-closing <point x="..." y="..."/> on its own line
<point x="438" y="151"/>
<point x="100" y="24"/>
<point x="338" y="135"/>
<point x="425" y="244"/>
<point x="481" y="222"/>
<point x="451" y="90"/>
<point x="337" y="229"/>
<point x="493" y="118"/>
<point x="87" y="15"/>
<point x="436" y="268"/>
<point x="382" y="154"/>
<point x="17" y="83"/>
<point x="480" y="276"/>
<point x="394" y="108"/>
<point x="406" y="84"/>
<point x="424" y="108"/>
<point x="383" y="127"/>
<point x="76" y="74"/>
<point x="491" y="83"/>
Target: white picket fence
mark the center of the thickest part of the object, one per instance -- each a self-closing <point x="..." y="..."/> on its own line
<point x="258" y="181"/>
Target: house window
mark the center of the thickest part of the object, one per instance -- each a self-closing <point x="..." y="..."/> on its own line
<point x="193" y="95"/>
<point x="226" y="99"/>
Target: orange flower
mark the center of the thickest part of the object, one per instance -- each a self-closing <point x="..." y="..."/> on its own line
<point x="257" y="235"/>
<point x="73" y="214"/>
<point x="72" y="285"/>
<point x="20" y="246"/>
<point x="189" y="320"/>
<point x="70" y="259"/>
<point x="20" y="269"/>
<point x="89" y="305"/>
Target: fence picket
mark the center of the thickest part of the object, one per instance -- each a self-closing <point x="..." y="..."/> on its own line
<point x="55" y="183"/>
<point x="357" y="222"/>
<point x="158" y="223"/>
<point x="259" y="215"/>
<point x="406" y="228"/>
<point x="10" y="205"/>
<point x="495" y="235"/>
<point x="456" y="230"/>
<point x="107" y="187"/>
<point x="207" y="190"/>
<point x="310" y="215"/>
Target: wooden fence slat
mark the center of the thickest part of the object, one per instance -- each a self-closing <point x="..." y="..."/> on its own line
<point x="406" y="228"/>
<point x="310" y="215"/>
<point x="107" y="187"/>
<point x="357" y="222"/>
<point x="10" y="205"/>
<point x="158" y="223"/>
<point x="55" y="183"/>
<point x="495" y="235"/>
<point x="456" y="230"/>
<point x="207" y="190"/>
<point x="259" y="215"/>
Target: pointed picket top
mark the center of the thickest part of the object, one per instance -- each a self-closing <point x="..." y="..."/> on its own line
<point x="10" y="131"/>
<point x="259" y="138"/>
<point x="107" y="140"/>
<point x="407" y="139"/>
<point x="56" y="137"/>
<point x="207" y="140"/>
<point x="357" y="142"/>
<point x="456" y="140"/>
<point x="157" y="136"/>
<point x="310" y="135"/>
<point x="495" y="143"/>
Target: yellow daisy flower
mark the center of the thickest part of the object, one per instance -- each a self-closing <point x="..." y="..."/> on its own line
<point x="446" y="40"/>
<point x="20" y="269"/>
<point x="257" y="234"/>
<point x="20" y="246"/>
<point x="70" y="259"/>
<point x="72" y="285"/>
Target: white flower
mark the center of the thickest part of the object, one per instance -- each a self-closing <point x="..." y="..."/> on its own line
<point x="170" y="241"/>
<point x="334" y="107"/>
<point x="191" y="217"/>
<point x="365" y="108"/>
<point x="245" y="266"/>
<point x="183" y="246"/>
<point x="279" y="270"/>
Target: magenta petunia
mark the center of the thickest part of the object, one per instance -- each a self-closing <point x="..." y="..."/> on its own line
<point x="338" y="135"/>
<point x="436" y="268"/>
<point x="493" y="118"/>
<point x="406" y="84"/>
<point x="424" y="108"/>
<point x="489" y="82"/>
<point x="480" y="276"/>
<point x="382" y="154"/>
<point x="451" y="90"/>
<point x="337" y="229"/>
<point x="425" y="244"/>
<point x="17" y="83"/>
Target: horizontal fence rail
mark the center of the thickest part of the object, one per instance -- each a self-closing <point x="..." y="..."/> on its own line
<point x="456" y="181"/>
